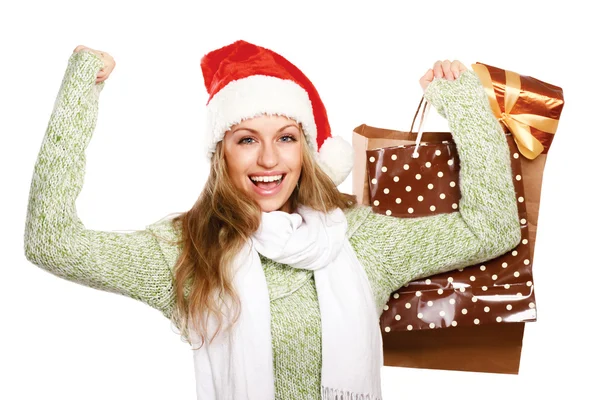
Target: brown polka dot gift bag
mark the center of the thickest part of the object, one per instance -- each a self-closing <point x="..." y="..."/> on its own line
<point x="473" y="318"/>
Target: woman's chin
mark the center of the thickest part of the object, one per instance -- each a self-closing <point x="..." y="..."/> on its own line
<point x="270" y="205"/>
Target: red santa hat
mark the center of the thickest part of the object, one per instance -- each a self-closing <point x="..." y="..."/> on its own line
<point x="244" y="81"/>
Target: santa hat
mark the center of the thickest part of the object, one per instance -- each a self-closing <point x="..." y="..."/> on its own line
<point x="244" y="81"/>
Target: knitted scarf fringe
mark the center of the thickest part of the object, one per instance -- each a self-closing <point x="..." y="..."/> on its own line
<point x="337" y="394"/>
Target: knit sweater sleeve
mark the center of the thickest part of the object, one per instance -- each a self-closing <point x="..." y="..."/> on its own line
<point x="396" y="251"/>
<point x="131" y="264"/>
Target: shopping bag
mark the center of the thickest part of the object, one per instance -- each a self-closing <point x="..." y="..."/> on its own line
<point x="483" y="338"/>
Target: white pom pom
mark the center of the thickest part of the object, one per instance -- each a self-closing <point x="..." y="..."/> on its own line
<point x="336" y="158"/>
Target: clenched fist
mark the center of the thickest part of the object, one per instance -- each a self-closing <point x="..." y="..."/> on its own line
<point x="107" y="59"/>
<point x="442" y="69"/>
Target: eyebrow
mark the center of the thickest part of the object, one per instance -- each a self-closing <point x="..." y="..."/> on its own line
<point x="256" y="132"/>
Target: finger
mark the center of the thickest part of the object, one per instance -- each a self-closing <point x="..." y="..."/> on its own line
<point x="426" y="79"/>
<point x="461" y="67"/>
<point x="437" y="69"/>
<point x="104" y="72"/>
<point x="428" y="76"/>
<point x="455" y="68"/>
<point x="447" y="72"/>
<point x="107" y="68"/>
<point x="78" y="48"/>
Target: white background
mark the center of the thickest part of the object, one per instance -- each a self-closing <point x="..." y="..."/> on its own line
<point x="63" y="340"/>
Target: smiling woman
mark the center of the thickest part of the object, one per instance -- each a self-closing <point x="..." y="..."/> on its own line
<point x="274" y="276"/>
<point x="262" y="165"/>
<point x="265" y="159"/>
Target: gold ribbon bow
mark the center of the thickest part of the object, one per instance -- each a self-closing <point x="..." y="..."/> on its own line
<point x="518" y="124"/>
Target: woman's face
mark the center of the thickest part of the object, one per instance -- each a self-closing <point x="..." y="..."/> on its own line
<point x="264" y="159"/>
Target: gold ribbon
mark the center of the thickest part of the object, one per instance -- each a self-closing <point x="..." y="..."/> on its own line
<point x="518" y="124"/>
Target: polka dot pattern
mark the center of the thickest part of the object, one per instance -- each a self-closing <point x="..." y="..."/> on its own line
<point x="427" y="185"/>
<point x="500" y="291"/>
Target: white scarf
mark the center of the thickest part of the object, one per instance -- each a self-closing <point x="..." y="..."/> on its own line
<point x="239" y="365"/>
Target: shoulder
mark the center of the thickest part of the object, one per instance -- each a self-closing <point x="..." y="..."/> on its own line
<point x="166" y="227"/>
<point x="356" y="216"/>
<point x="168" y="233"/>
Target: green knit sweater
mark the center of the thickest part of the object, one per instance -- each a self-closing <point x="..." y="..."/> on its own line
<point x="393" y="251"/>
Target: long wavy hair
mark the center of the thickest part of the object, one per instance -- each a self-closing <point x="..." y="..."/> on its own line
<point x="215" y="229"/>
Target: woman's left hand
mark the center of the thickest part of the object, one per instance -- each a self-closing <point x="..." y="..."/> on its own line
<point x="446" y="69"/>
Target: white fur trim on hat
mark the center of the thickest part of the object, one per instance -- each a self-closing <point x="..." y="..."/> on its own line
<point x="336" y="158"/>
<point x="256" y="95"/>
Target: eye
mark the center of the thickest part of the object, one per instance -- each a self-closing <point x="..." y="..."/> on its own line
<point x="246" y="140"/>
<point x="288" y="138"/>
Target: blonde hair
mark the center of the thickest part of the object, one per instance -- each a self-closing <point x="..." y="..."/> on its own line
<point x="215" y="229"/>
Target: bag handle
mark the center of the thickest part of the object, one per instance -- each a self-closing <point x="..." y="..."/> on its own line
<point x="424" y="113"/>
<point x="417" y="113"/>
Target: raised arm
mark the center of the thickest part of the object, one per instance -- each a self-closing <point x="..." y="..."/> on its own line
<point x="395" y="251"/>
<point x="131" y="264"/>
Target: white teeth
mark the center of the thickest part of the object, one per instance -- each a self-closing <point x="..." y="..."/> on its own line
<point x="266" y="178"/>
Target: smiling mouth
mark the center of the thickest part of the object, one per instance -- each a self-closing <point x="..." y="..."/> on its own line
<point x="267" y="183"/>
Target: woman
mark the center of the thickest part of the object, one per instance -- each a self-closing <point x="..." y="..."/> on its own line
<point x="275" y="277"/>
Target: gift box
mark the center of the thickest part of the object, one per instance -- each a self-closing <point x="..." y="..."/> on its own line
<point x="490" y="301"/>
<point x="530" y="109"/>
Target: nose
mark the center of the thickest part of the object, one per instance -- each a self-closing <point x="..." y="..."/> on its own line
<point x="268" y="157"/>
